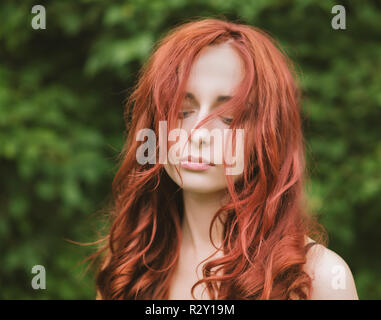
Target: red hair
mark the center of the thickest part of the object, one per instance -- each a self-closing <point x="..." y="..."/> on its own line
<point x="267" y="217"/>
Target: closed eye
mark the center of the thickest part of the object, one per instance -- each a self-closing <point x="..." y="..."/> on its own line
<point x="227" y="120"/>
<point x="184" y="114"/>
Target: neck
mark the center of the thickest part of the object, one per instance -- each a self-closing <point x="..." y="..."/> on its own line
<point x="199" y="210"/>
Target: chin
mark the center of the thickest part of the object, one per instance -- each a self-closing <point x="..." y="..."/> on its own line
<point x="194" y="182"/>
<point x="200" y="189"/>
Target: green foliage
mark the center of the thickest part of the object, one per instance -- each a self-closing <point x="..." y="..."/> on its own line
<point x="61" y="124"/>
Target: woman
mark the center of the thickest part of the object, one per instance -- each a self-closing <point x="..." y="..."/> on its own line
<point x="185" y="227"/>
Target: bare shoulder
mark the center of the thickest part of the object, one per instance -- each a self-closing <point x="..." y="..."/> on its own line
<point x="331" y="276"/>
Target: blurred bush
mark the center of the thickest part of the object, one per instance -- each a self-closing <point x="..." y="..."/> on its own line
<point x="62" y="91"/>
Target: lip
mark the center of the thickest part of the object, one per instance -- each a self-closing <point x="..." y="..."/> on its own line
<point x="195" y="164"/>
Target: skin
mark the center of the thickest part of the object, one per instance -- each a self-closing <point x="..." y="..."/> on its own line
<point x="332" y="278"/>
<point x="216" y="72"/>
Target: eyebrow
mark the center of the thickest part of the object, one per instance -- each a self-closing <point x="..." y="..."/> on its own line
<point x="219" y="98"/>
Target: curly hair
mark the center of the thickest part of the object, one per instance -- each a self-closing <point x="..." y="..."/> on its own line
<point x="267" y="216"/>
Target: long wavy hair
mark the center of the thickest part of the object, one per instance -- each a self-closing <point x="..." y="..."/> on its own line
<point x="267" y="217"/>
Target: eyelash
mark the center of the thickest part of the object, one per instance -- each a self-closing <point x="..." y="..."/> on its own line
<point x="227" y="120"/>
<point x="184" y="114"/>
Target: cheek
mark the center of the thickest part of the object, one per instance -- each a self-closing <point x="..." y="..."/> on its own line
<point x="176" y="150"/>
<point x="187" y="123"/>
<point x="234" y="154"/>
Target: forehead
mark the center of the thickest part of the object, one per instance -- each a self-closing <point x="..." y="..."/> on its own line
<point x="217" y="70"/>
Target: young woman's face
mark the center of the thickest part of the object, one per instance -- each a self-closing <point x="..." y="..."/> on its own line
<point x="213" y="77"/>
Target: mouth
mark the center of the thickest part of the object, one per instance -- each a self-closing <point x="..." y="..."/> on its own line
<point x="195" y="164"/>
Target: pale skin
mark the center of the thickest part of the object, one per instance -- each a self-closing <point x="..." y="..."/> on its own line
<point x="216" y="72"/>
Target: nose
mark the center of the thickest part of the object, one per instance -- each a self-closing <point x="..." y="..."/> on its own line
<point x="200" y="137"/>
